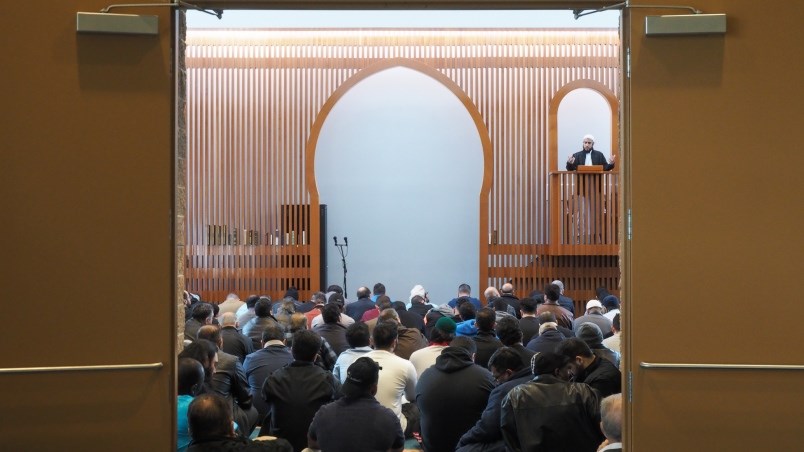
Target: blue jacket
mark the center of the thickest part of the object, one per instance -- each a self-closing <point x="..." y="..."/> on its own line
<point x="466" y="328"/>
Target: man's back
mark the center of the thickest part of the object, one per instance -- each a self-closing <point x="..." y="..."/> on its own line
<point x="357" y="424"/>
<point x="530" y="328"/>
<point x="603" y="376"/>
<point x="548" y="414"/>
<point x="259" y="366"/>
<point x="295" y="393"/>
<point x="410" y="340"/>
<point x="397" y="380"/>
<point x="487" y="343"/>
<point x="563" y="317"/>
<point x="451" y="396"/>
<point x="358" y="308"/>
<point x="235" y="343"/>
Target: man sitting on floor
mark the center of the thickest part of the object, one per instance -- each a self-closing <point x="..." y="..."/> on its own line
<point x="294" y="393"/>
<point x="333" y="428"/>
<point x="209" y="417"/>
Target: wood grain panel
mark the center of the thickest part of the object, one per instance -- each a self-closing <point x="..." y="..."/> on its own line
<point x="257" y="101"/>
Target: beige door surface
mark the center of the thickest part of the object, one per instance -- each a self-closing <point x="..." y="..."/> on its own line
<point x="713" y="267"/>
<point x="87" y="256"/>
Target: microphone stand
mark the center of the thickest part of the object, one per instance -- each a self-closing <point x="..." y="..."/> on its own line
<point x="344" y="253"/>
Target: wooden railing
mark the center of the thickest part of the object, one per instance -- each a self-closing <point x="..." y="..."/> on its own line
<point x="584" y="213"/>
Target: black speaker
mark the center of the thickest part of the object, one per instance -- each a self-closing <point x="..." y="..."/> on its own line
<point x="322" y="243"/>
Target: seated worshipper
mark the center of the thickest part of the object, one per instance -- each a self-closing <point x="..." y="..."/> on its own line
<point x="502" y="308"/>
<point x="202" y="315"/>
<point x="408" y="318"/>
<point x="549" y="412"/>
<point x="229" y="381"/>
<point x="332" y="331"/>
<point x="254" y="328"/>
<point x="565" y="302"/>
<point x="190" y="382"/>
<point x="548" y="339"/>
<point x="529" y="323"/>
<point x="206" y="353"/>
<point x="246" y="312"/>
<point x="436" y="313"/>
<point x="397" y="384"/>
<point x="549" y="316"/>
<point x="377" y="291"/>
<point x="591" y="334"/>
<point x="419" y="305"/>
<point x="451" y="395"/>
<point x="359" y="340"/>
<point x="209" y="418"/>
<point x="261" y="364"/>
<point x="408" y="339"/>
<point x="594" y="314"/>
<point x="319" y="300"/>
<point x="507" y="294"/>
<point x="613" y="342"/>
<point x="465" y="292"/>
<point x="597" y="372"/>
<point x="510" y="335"/>
<point x="231" y="304"/>
<point x="190" y="300"/>
<point x="551" y="294"/>
<point x="345" y="320"/>
<point x="294" y="393"/>
<point x="358" y="308"/>
<point x="375" y="310"/>
<point x="357" y="421"/>
<point x="486" y="338"/>
<point x="287" y="308"/>
<point x="424" y="299"/>
<point x="442" y="334"/>
<point x="383" y="303"/>
<point x="309" y="305"/>
<point x="326" y="355"/>
<point x="466" y="327"/>
<point x="509" y="371"/>
<point x="612" y="306"/>
<point x="234" y="342"/>
<point x="611" y="423"/>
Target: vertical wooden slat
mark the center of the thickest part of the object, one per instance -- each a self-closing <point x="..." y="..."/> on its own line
<point x="254" y="97"/>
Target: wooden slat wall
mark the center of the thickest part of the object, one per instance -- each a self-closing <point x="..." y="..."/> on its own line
<point x="254" y="94"/>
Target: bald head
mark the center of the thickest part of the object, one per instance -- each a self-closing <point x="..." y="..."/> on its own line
<point x="507" y="288"/>
<point x="210" y="416"/>
<point x="229" y="319"/>
<point x="611" y="418"/>
<point x="389" y="314"/>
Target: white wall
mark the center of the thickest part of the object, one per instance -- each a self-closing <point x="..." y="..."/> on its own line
<point x="583" y="111"/>
<point x="399" y="164"/>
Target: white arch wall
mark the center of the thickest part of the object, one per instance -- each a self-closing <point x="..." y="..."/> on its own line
<point x="583" y="111"/>
<point x="399" y="164"/>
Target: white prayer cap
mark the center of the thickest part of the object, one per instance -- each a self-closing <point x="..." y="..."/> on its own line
<point x="589" y="137"/>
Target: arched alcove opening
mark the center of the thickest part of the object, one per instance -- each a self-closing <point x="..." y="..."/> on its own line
<point x="400" y="165"/>
<point x="583" y="111"/>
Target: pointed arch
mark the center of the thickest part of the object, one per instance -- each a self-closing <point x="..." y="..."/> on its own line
<point x="474" y="113"/>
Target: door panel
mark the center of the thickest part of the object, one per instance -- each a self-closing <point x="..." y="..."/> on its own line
<point x="713" y="267"/>
<point x="87" y="197"/>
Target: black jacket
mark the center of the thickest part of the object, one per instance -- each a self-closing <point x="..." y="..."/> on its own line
<point x="487" y="343"/>
<point x="597" y="159"/>
<point x="487" y="430"/>
<point x="294" y="393"/>
<point x="548" y="414"/>
<point x="451" y="396"/>
<point x="602" y="376"/>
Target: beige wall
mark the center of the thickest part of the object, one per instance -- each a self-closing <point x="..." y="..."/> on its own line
<point x="86" y="195"/>
<point x="714" y="268"/>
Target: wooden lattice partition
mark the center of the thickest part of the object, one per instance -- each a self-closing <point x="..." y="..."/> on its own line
<point x="254" y="98"/>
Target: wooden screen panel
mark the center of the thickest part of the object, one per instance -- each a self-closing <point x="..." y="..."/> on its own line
<point x="254" y="95"/>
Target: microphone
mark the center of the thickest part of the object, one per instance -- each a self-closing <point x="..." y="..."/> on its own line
<point x="346" y="241"/>
<point x="335" y="239"/>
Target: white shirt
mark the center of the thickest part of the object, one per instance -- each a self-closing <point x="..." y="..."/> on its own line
<point x="610" y="314"/>
<point x="425" y="357"/>
<point x="345" y="320"/>
<point x="345" y="359"/>
<point x="397" y="382"/>
<point x="612" y="446"/>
